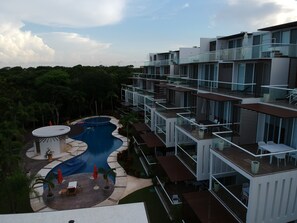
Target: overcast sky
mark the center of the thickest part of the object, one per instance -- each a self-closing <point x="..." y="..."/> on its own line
<point x="123" y="32"/>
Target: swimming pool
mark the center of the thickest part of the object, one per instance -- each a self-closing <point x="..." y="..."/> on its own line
<point x="101" y="143"/>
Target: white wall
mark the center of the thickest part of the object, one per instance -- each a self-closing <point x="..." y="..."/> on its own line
<point x="203" y="162"/>
<point x="52" y="143"/>
<point x="204" y="44"/>
<point x="188" y="52"/>
<point x="273" y="198"/>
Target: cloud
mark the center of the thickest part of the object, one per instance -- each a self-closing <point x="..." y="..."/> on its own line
<point x="72" y="49"/>
<point x="67" y="13"/>
<point x="20" y="48"/>
<point x="186" y="5"/>
<point x="254" y="14"/>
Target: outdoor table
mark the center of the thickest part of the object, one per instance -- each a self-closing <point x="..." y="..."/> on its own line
<point x="72" y="187"/>
<point x="274" y="148"/>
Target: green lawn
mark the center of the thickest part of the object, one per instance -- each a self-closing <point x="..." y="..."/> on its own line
<point x="155" y="210"/>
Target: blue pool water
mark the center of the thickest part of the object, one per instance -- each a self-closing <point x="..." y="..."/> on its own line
<point x="101" y="143"/>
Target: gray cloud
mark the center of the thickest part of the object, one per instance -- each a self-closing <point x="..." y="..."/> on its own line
<point x="253" y="14"/>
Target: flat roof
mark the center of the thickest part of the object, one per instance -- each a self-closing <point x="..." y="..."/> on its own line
<point x="175" y="170"/>
<point x="141" y="127"/>
<point x="51" y="131"/>
<point x="125" y="213"/>
<point x="281" y="26"/>
<point x="207" y="208"/>
<point x="216" y="97"/>
<point x="269" y="110"/>
<point x="151" y="140"/>
<point x="234" y="36"/>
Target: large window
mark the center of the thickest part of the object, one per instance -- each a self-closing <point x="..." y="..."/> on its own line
<point x="278" y="130"/>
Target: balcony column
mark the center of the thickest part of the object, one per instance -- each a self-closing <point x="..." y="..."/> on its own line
<point x="279" y="130"/>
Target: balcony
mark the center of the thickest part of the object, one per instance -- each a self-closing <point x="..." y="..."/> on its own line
<point x="168" y="110"/>
<point x="262" y="51"/>
<point x="250" y="191"/>
<point x="280" y="95"/>
<point x="229" y="192"/>
<point x="241" y="156"/>
<point x="165" y="62"/>
<point x="230" y="88"/>
<point x="189" y="83"/>
<point x="200" y="129"/>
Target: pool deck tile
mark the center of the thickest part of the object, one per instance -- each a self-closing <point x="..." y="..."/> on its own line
<point x="64" y="158"/>
<point x="77" y="152"/>
<point x="39" y="192"/>
<point x="117" y="194"/>
<point x="121" y="182"/>
<point x="52" y="164"/>
<point x="114" y="154"/>
<point x="120" y="172"/>
<point x="37" y="204"/>
<point x="43" y="172"/>
<point x="114" y="165"/>
<point x="111" y="159"/>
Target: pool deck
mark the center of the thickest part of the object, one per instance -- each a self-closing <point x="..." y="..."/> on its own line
<point x="124" y="184"/>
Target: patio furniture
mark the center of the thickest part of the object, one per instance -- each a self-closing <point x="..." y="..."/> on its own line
<point x="175" y="199"/>
<point x="270" y="142"/>
<point x="275" y="148"/>
<point x="280" y="157"/>
<point x="71" y="188"/>
<point x="293" y="156"/>
<point x="260" y="144"/>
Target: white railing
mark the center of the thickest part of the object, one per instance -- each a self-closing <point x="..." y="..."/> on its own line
<point x="167" y="195"/>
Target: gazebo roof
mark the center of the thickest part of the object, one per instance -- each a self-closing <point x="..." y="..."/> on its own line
<point x="51" y="131"/>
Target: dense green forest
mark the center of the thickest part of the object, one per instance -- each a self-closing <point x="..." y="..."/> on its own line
<point x="32" y="97"/>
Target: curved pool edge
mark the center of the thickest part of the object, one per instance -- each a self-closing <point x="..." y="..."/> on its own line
<point x="37" y="203"/>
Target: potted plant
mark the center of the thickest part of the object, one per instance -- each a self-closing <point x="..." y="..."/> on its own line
<point x="221" y="144"/>
<point x="106" y="173"/>
<point x="255" y="165"/>
<point x="49" y="182"/>
<point x="216" y="186"/>
<point x="49" y="154"/>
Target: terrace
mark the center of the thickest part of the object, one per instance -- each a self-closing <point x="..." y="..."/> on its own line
<point x="237" y="183"/>
<point x="242" y="155"/>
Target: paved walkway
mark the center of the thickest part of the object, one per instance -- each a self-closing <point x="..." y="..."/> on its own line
<point x="124" y="184"/>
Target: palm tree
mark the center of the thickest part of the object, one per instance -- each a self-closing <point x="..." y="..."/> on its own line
<point x="48" y="181"/>
<point x="106" y="173"/>
<point x="127" y="120"/>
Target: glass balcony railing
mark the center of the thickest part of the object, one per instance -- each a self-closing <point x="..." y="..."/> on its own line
<point x="279" y="94"/>
<point x="200" y="129"/>
<point x="227" y="87"/>
<point x="161" y="62"/>
<point x="184" y="82"/>
<point x="188" y="154"/>
<point x="269" y="50"/>
<point x="231" y="196"/>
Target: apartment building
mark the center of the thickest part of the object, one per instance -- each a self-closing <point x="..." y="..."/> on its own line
<point x="228" y="109"/>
